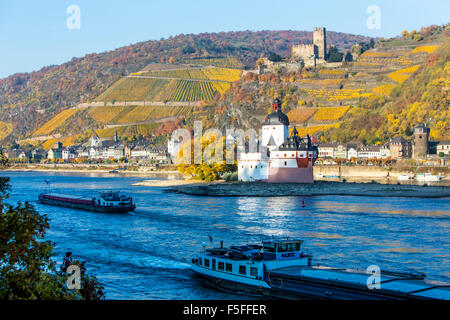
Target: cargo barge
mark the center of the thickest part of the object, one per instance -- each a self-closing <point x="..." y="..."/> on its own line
<point x="106" y="202"/>
<point x="279" y="269"/>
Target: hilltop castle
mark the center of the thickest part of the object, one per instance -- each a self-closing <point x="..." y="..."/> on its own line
<point x="312" y="54"/>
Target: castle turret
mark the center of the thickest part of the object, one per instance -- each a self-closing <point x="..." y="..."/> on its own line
<point x="421" y="136"/>
<point x="275" y="127"/>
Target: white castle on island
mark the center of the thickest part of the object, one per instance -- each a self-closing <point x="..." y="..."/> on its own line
<point x="284" y="158"/>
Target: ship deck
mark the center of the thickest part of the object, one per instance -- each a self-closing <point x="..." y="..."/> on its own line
<point x="391" y="284"/>
<point x="68" y="196"/>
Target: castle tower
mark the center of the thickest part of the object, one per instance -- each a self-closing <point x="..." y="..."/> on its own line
<point x="421" y="136"/>
<point x="320" y="40"/>
<point x="275" y="128"/>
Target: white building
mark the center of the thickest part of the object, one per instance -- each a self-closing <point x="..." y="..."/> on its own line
<point x="352" y="152"/>
<point x="173" y="147"/>
<point x="444" y="147"/>
<point x="369" y="152"/>
<point x="326" y="150"/>
<point x="384" y="151"/>
<point x="275" y="129"/>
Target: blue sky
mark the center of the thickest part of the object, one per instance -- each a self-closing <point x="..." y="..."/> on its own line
<point x="34" y="34"/>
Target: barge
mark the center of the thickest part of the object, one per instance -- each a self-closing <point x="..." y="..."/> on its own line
<point x="280" y="269"/>
<point x="105" y="202"/>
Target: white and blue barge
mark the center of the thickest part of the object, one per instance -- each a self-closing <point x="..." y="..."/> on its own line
<point x="280" y="269"/>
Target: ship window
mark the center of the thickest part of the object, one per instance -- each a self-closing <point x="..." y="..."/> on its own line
<point x="269" y="247"/>
<point x="206" y="263"/>
<point x="220" y="266"/>
<point x="254" y="272"/>
<point x="285" y="163"/>
<point x="199" y="261"/>
<point x="214" y="264"/>
<point x="242" y="270"/>
<point x="228" y="267"/>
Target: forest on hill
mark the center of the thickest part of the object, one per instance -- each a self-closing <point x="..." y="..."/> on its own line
<point x="29" y="100"/>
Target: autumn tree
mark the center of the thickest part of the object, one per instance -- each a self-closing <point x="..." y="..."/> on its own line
<point x="27" y="270"/>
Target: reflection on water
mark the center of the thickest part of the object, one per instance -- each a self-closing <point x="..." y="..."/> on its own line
<point x="146" y="254"/>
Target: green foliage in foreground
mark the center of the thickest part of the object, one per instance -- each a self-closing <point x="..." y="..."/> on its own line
<point x="27" y="270"/>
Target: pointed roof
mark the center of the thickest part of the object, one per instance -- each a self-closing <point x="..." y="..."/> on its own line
<point x="271" y="142"/>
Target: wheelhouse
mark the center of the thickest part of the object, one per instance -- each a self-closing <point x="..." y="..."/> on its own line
<point x="251" y="261"/>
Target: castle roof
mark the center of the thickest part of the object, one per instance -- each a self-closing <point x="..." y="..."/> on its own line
<point x="294" y="143"/>
<point x="277" y="117"/>
<point x="271" y="142"/>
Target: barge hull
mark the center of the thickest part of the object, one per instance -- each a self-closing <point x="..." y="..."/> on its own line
<point x="86" y="207"/>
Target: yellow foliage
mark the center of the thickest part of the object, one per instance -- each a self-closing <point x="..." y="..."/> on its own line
<point x="427" y="49"/>
<point x="330" y="113"/>
<point x="383" y="89"/>
<point x="5" y="129"/>
<point x="300" y="115"/>
<point x="402" y="75"/>
<point x="303" y="131"/>
<point x="56" y="122"/>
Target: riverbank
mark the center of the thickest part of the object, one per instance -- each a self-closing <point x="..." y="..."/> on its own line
<point x="319" y="188"/>
<point x="68" y="168"/>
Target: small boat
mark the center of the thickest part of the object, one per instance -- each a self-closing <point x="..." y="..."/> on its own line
<point x="428" y="177"/>
<point x="404" y="177"/>
<point x="109" y="201"/>
<point x="279" y="268"/>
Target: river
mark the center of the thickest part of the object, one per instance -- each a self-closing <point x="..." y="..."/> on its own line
<point x="146" y="254"/>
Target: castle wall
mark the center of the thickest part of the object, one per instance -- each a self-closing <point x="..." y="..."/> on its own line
<point x="253" y="167"/>
<point x="279" y="132"/>
<point x="303" y="51"/>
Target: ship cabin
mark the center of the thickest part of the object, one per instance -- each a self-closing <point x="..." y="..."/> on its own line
<point x="252" y="261"/>
<point x="113" y="199"/>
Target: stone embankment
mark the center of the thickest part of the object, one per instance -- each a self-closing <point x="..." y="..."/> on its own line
<point x="319" y="188"/>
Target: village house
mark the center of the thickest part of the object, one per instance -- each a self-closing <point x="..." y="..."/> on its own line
<point x="352" y="152"/>
<point x="384" y="151"/>
<point x="443" y="147"/>
<point x="369" y="152"/>
<point x="340" y="152"/>
<point x="326" y="150"/>
<point x="55" y="152"/>
<point x="68" y="154"/>
<point x="399" y="148"/>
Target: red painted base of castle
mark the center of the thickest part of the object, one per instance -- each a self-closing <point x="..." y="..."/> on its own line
<point x="291" y="175"/>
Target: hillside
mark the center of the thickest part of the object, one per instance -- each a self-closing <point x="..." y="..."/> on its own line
<point x="384" y="92"/>
<point x="29" y="100"/>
